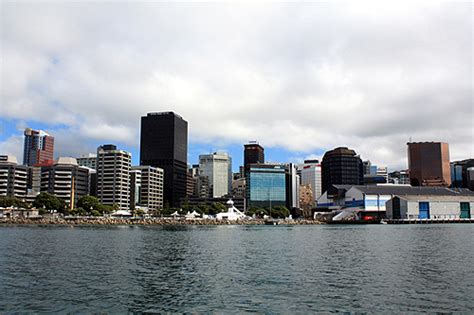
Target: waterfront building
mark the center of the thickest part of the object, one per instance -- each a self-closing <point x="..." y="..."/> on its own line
<point x="88" y="160"/>
<point x="460" y="174"/>
<point x="266" y="185"/>
<point x="371" y="199"/>
<point x="428" y="164"/>
<point x="164" y="144"/>
<point x="217" y="167"/>
<point x="38" y="147"/>
<point x="113" y="176"/>
<point x="66" y="180"/>
<point x="431" y="207"/>
<point x="13" y="178"/>
<point x="254" y="153"/>
<point x="311" y="175"/>
<point x="150" y="192"/>
<point x="341" y="166"/>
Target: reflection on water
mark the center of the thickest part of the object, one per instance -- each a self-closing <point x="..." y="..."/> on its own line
<point x="277" y="269"/>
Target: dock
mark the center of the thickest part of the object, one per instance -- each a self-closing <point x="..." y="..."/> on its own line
<point x="426" y="221"/>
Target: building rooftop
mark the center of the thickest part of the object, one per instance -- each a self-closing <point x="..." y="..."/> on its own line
<point x="403" y="190"/>
<point x="66" y="161"/>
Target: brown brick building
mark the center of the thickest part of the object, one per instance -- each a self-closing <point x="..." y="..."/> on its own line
<point x="428" y="164"/>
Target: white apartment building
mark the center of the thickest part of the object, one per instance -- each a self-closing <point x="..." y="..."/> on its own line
<point x="113" y="176"/>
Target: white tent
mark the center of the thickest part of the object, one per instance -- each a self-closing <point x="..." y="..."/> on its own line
<point x="121" y="213"/>
<point x="175" y="214"/>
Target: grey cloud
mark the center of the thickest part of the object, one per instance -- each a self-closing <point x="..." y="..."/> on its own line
<point x="304" y="76"/>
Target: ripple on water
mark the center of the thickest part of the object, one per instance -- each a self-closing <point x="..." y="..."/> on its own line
<point x="295" y="269"/>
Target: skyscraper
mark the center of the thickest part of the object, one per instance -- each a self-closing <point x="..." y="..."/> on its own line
<point x="164" y="144"/>
<point x="341" y="166"/>
<point x="38" y="147"/>
<point x="428" y="163"/>
<point x="113" y="176"/>
<point x="218" y="168"/>
<point x="253" y="154"/>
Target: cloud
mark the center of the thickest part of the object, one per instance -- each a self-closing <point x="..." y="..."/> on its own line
<point x="304" y="76"/>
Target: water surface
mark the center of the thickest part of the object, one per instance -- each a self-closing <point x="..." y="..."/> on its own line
<point x="272" y="269"/>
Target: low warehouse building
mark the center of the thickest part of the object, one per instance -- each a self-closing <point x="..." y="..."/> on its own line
<point x="430" y="207"/>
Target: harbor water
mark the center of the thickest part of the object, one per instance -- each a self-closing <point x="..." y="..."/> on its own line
<point x="267" y="269"/>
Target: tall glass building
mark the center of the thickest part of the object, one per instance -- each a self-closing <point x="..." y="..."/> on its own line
<point x="266" y="185"/>
<point x="38" y="147"/>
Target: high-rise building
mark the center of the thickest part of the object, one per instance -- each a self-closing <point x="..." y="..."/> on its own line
<point x="38" y="147"/>
<point x="164" y="144"/>
<point x="66" y="180"/>
<point x="292" y="186"/>
<point x="218" y="168"/>
<point x="113" y="176"/>
<point x="150" y="187"/>
<point x="253" y="154"/>
<point x="428" y="163"/>
<point x="266" y="185"/>
<point x="341" y="166"/>
<point x="88" y="160"/>
<point x="13" y="177"/>
<point x="311" y="175"/>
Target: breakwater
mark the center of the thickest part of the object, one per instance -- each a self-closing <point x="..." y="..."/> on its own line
<point x="140" y="221"/>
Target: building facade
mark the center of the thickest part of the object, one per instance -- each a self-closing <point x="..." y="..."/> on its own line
<point x="66" y="180"/>
<point x="151" y="181"/>
<point x="254" y="153"/>
<point x="217" y="167"/>
<point x="13" y="178"/>
<point x="38" y="147"/>
<point x="431" y="207"/>
<point x="341" y="166"/>
<point x="88" y="160"/>
<point x="113" y="176"/>
<point x="460" y="175"/>
<point x="311" y="175"/>
<point x="266" y="185"/>
<point x="164" y="144"/>
<point x="428" y="164"/>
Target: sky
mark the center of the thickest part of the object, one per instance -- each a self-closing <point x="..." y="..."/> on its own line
<point x="299" y="78"/>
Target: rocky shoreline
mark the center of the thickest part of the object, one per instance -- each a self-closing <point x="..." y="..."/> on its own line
<point x="140" y="221"/>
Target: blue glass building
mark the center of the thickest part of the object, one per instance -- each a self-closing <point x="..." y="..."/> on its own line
<point x="266" y="185"/>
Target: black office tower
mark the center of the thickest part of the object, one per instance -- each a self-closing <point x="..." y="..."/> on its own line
<point x="164" y="144"/>
<point x="341" y="166"/>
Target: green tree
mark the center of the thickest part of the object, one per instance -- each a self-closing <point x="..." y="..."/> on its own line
<point x="216" y="207"/>
<point x="88" y="203"/>
<point x="280" y="212"/>
<point x="49" y="202"/>
<point x="95" y="213"/>
<point x="12" y="202"/>
<point x="259" y="212"/>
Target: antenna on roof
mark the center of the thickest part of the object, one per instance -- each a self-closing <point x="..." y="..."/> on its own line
<point x="409" y="139"/>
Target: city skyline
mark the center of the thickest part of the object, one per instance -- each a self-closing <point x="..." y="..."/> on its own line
<point x="386" y="84"/>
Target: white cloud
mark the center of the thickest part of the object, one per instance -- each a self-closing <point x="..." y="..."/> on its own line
<point x="303" y="76"/>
